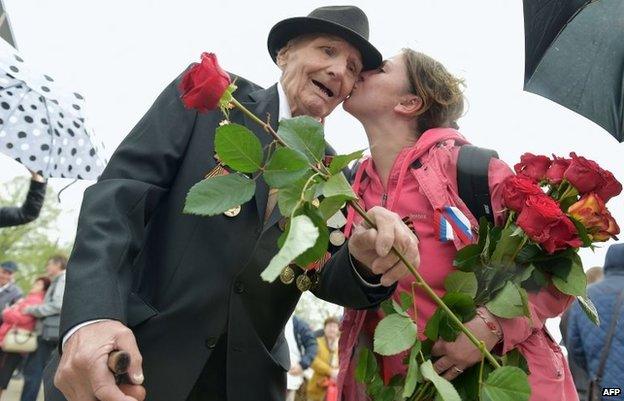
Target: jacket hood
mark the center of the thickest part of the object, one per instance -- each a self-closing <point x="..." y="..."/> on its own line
<point x="614" y="262"/>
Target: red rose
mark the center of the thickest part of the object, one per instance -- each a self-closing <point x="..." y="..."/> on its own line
<point x="539" y="213"/>
<point x="610" y="187"/>
<point x="533" y="166"/>
<point x="204" y="84"/>
<point x="559" y="165"/>
<point x="590" y="211"/>
<point x="544" y="222"/>
<point x="562" y="235"/>
<point x="516" y="189"/>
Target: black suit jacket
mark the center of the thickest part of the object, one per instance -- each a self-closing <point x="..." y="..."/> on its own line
<point x="181" y="281"/>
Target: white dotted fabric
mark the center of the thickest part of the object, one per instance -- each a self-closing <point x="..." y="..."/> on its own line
<point x="42" y="125"/>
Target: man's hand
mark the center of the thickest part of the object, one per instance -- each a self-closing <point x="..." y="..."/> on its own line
<point x="83" y="373"/>
<point x="371" y="247"/>
<point x="461" y="354"/>
<point x="296" y="370"/>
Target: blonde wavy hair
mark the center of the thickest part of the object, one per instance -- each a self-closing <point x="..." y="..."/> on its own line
<point x="440" y="91"/>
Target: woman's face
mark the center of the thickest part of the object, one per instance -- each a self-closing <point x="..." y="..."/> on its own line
<point x="331" y="331"/>
<point x="37" y="286"/>
<point x="379" y="91"/>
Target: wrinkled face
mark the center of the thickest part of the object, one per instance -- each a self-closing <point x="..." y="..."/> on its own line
<point x="5" y="276"/>
<point x="379" y="91"/>
<point x="331" y="330"/>
<point x="318" y="73"/>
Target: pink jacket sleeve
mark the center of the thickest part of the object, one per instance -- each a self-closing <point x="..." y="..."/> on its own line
<point x="545" y="304"/>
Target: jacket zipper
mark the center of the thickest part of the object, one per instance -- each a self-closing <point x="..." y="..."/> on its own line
<point x="384" y="199"/>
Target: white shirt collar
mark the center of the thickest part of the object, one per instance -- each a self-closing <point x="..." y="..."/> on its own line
<point x="284" y="106"/>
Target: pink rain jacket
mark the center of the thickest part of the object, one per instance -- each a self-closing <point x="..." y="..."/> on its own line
<point x="417" y="193"/>
<point x="14" y="315"/>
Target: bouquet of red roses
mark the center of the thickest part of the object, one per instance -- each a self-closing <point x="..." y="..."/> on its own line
<point x="555" y="207"/>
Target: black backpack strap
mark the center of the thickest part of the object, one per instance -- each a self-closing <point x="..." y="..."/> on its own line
<point x="472" y="180"/>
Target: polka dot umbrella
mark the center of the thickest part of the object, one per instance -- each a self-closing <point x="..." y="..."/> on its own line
<point x="42" y="125"/>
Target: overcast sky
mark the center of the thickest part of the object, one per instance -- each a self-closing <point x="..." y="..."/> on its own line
<point x="120" y="54"/>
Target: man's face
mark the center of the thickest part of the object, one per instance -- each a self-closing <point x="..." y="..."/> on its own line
<point x="5" y="276"/>
<point x="53" y="268"/>
<point x="318" y="73"/>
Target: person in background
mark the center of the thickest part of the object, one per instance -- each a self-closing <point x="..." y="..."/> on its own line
<point x="14" y="316"/>
<point x="585" y="341"/>
<point x="302" y="346"/>
<point x="48" y="319"/>
<point x="29" y="211"/>
<point x="594" y="274"/>
<point x="325" y="364"/>
<point x="9" y="291"/>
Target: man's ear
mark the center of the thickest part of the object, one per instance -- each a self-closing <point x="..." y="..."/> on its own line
<point x="410" y="106"/>
<point x="281" y="57"/>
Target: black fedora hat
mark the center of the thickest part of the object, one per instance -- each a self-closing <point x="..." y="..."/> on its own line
<point x="347" y="22"/>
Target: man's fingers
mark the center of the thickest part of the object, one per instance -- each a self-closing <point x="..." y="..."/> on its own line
<point x="438" y="348"/>
<point x="127" y="342"/>
<point x="109" y="391"/>
<point x="134" y="391"/>
<point x="452" y="373"/>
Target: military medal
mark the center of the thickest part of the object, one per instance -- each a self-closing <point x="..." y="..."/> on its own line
<point x="303" y="282"/>
<point x="287" y="276"/>
<point x="337" y="238"/>
<point x="316" y="202"/>
<point x="233" y="212"/>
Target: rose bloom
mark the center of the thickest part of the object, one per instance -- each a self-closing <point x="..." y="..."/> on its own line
<point x="204" y="84"/>
<point x="533" y="166"/>
<point x="587" y="176"/>
<point x="516" y="190"/>
<point x="590" y="211"/>
<point x="544" y="222"/>
<point x="559" y="165"/>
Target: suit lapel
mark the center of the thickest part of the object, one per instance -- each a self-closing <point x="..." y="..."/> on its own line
<point x="264" y="102"/>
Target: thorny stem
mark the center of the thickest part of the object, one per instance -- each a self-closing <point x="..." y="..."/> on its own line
<point x="419" y="280"/>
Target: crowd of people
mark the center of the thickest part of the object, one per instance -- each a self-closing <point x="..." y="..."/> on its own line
<point x="29" y="329"/>
<point x="182" y="294"/>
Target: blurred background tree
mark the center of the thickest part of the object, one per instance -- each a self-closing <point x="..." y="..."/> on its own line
<point x="30" y="245"/>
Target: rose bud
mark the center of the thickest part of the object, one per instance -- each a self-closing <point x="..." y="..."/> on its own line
<point x="559" y="165"/>
<point x="204" y="84"/>
<point x="533" y="166"/>
<point x="516" y="190"/>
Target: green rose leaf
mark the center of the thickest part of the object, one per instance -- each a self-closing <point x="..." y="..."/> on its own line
<point x="507" y="303"/>
<point x="515" y="358"/>
<point x="238" y="148"/>
<point x="575" y="283"/>
<point x="589" y="308"/>
<point x="413" y="375"/>
<point x="338" y="185"/>
<point x="305" y="135"/>
<point x="508" y="245"/>
<point x="463" y="282"/>
<point x="432" y="328"/>
<point x="507" y="383"/>
<point x="339" y="162"/>
<point x="320" y="245"/>
<point x="289" y="196"/>
<point x="394" y="334"/>
<point x="445" y="389"/>
<point x="463" y="307"/>
<point x="407" y="301"/>
<point x="285" y="167"/>
<point x="215" y="195"/>
<point x="331" y="206"/>
<point x="302" y="235"/>
<point x="467" y="258"/>
<point x="366" y="368"/>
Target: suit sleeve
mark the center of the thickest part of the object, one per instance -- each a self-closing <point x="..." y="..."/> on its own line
<point x="115" y="211"/>
<point x="29" y="211"/>
<point x="545" y="304"/>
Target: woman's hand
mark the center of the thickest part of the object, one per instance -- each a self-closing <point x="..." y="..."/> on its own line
<point x="461" y="354"/>
<point x="35" y="176"/>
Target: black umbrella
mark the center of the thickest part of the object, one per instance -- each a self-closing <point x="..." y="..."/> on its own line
<point x="574" y="51"/>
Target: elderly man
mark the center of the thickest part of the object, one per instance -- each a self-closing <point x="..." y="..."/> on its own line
<point x="182" y="294"/>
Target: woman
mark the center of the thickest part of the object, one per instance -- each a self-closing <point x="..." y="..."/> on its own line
<point x="14" y="316"/>
<point x="409" y="107"/>
<point x="325" y="363"/>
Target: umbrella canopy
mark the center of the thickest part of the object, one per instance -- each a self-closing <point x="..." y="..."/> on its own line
<point x="42" y="125"/>
<point x="575" y="57"/>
